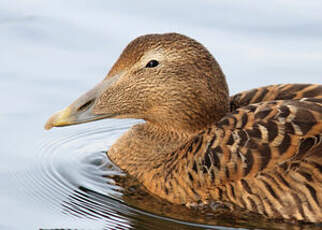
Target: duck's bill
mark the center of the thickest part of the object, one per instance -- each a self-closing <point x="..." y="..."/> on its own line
<point x="67" y="117"/>
<point x="81" y="111"/>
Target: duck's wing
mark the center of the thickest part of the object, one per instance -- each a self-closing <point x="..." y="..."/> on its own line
<point x="275" y="92"/>
<point x="266" y="157"/>
<point x="268" y="134"/>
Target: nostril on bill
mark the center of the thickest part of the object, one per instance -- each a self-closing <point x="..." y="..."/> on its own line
<point x="85" y="106"/>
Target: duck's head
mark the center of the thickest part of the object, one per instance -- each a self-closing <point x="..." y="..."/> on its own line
<point x="169" y="80"/>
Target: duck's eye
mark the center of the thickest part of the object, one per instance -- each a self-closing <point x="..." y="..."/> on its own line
<point x="152" y="63"/>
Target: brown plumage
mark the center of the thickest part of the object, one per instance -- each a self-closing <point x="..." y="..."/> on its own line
<point x="260" y="150"/>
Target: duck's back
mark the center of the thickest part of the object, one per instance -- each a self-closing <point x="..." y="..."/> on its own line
<point x="265" y="156"/>
<point x="275" y="92"/>
<point x="283" y="138"/>
<point x="278" y="152"/>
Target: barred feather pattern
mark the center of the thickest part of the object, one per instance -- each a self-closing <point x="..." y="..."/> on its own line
<point x="264" y="157"/>
<point x="275" y="92"/>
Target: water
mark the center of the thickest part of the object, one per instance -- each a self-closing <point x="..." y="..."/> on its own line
<point x="51" y="52"/>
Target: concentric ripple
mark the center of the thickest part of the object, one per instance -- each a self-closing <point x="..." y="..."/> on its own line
<point x="66" y="161"/>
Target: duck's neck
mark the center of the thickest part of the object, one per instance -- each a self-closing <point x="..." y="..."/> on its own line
<point x="145" y="148"/>
<point x="149" y="153"/>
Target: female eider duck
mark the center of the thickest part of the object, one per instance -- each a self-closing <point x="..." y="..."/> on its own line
<point x="260" y="150"/>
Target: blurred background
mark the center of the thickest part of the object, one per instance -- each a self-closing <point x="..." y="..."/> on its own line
<point x="52" y="51"/>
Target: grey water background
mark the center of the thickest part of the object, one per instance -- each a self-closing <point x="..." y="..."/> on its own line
<point x="52" y="51"/>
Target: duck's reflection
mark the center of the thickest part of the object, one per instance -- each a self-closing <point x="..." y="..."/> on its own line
<point x="87" y="203"/>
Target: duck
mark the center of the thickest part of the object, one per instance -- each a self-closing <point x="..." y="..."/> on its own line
<point x="260" y="149"/>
